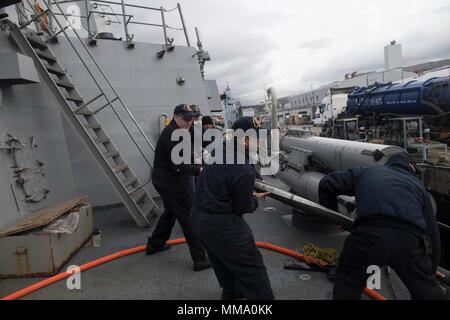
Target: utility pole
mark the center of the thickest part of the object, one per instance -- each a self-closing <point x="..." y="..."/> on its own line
<point x="273" y="94"/>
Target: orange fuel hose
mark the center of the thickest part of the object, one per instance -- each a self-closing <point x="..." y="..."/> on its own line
<point x="370" y="292"/>
<point x="37" y="286"/>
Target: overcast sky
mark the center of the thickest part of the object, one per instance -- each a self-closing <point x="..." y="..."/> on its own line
<point x="295" y="45"/>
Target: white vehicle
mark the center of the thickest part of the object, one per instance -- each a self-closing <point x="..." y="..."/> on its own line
<point x="248" y="112"/>
<point x="332" y="105"/>
<point x="317" y="121"/>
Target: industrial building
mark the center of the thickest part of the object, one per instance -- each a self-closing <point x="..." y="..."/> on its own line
<point x="395" y="71"/>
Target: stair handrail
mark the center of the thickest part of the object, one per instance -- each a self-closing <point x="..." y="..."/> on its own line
<point x="62" y="29"/>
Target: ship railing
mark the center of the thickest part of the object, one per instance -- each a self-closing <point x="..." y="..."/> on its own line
<point x="103" y="8"/>
<point x="126" y="17"/>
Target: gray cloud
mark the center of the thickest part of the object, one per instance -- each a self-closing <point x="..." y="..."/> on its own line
<point x="319" y="43"/>
<point x="293" y="45"/>
<point x="249" y="46"/>
<point x="242" y="76"/>
<point x="419" y="47"/>
<point x="442" y="10"/>
<point x="354" y="59"/>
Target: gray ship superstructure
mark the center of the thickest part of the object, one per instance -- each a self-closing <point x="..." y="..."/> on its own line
<point x="231" y="106"/>
<point x="64" y="89"/>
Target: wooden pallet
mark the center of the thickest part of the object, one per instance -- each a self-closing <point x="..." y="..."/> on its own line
<point x="44" y="216"/>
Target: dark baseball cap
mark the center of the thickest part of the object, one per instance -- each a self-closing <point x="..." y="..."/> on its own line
<point x="246" y="123"/>
<point x="187" y="110"/>
<point x="207" y="120"/>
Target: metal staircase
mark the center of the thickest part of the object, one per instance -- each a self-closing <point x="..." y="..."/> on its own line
<point x="81" y="115"/>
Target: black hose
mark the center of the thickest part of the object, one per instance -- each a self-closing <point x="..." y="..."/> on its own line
<point x="308" y="206"/>
<point x="443" y="226"/>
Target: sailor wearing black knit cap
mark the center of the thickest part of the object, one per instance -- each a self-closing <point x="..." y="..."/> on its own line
<point x="395" y="226"/>
<point x="224" y="193"/>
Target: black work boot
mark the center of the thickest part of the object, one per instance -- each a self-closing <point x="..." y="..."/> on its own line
<point x="202" y="265"/>
<point x="151" y="249"/>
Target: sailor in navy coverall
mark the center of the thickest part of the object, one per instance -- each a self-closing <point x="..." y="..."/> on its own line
<point x="175" y="184"/>
<point x="224" y="193"/>
<point x="395" y="226"/>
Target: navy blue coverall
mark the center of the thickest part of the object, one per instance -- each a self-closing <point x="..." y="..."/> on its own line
<point x="224" y="193"/>
<point x="175" y="184"/>
<point x="395" y="226"/>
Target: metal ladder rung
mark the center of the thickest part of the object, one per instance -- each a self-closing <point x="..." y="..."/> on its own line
<point x="147" y="208"/>
<point x="129" y="181"/>
<point x="65" y="84"/>
<point x="83" y="112"/>
<point x="56" y="34"/>
<point x="138" y="195"/>
<point x="111" y="154"/>
<point x="94" y="126"/>
<point x="120" y="168"/>
<point x="46" y="56"/>
<point x="55" y="70"/>
<point x="84" y="105"/>
<point x="140" y="186"/>
<point x="74" y="99"/>
<point x="102" y="140"/>
<point x="36" y="42"/>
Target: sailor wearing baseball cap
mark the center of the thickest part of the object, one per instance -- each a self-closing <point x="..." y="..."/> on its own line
<point x="175" y="184"/>
<point x="186" y="112"/>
